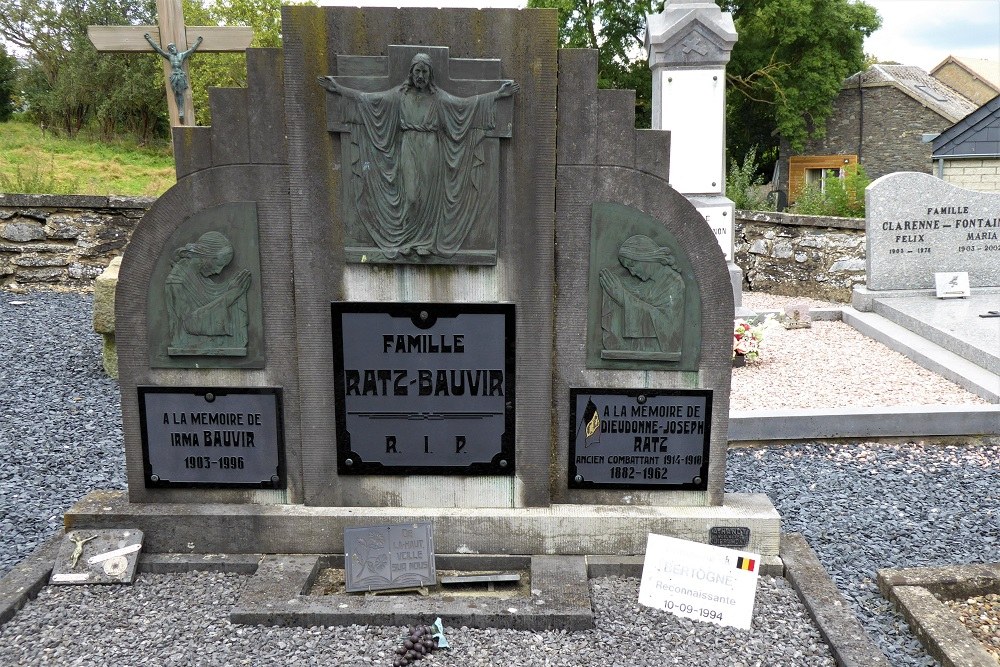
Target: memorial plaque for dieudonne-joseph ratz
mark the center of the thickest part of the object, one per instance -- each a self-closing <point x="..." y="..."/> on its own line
<point x="424" y="388"/>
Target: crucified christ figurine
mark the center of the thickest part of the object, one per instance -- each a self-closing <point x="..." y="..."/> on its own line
<point x="79" y="542"/>
<point x="178" y="77"/>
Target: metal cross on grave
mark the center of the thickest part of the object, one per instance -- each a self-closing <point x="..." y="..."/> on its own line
<point x="171" y="30"/>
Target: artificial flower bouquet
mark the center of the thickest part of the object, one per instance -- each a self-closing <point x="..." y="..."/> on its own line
<point x="748" y="336"/>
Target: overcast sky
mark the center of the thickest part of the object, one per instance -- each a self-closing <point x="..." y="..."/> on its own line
<point x="925" y="32"/>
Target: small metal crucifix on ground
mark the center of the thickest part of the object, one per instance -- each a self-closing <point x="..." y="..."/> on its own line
<point x="171" y="40"/>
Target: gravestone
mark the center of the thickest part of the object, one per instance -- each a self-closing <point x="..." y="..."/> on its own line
<point x="918" y="225"/>
<point x="390" y="358"/>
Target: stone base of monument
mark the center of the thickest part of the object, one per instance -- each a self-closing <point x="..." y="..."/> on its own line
<point x="618" y="530"/>
<point x="104" y="315"/>
<point x="946" y="336"/>
<point x="736" y="278"/>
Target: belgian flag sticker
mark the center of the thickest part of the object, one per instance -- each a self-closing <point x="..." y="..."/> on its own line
<point x="747" y="564"/>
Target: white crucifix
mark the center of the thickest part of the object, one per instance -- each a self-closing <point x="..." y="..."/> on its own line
<point x="171" y="32"/>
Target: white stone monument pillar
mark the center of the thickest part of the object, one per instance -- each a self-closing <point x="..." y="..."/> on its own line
<point x="689" y="45"/>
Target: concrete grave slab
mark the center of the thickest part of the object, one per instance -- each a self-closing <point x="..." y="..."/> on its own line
<point x="917" y="593"/>
<point x="559" y="597"/>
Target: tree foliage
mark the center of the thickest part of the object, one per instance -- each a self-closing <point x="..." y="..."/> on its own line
<point x="66" y="83"/>
<point x="785" y="70"/>
<point x="8" y="78"/>
<point x="228" y="70"/>
<point x="617" y="29"/>
<point x="788" y="65"/>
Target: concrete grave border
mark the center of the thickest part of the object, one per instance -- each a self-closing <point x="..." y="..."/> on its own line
<point x="562" y="581"/>
<point x="914" y="592"/>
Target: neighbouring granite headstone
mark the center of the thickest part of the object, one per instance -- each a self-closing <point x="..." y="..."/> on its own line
<point x="918" y="225"/>
<point x="419" y="360"/>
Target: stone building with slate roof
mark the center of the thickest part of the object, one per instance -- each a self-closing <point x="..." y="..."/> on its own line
<point x="967" y="154"/>
<point x="880" y="120"/>
<point x="976" y="78"/>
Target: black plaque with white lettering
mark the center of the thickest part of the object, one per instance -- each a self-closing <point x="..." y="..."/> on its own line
<point x="733" y="537"/>
<point x="424" y="388"/>
<point x="639" y="438"/>
<point x="212" y="436"/>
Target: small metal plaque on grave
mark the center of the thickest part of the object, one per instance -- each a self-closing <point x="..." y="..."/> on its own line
<point x="733" y="537"/>
<point x="639" y="438"/>
<point x="395" y="556"/>
<point x="98" y="557"/>
<point x="212" y="436"/>
<point x="953" y="285"/>
<point x="424" y="388"/>
<point x="797" y="316"/>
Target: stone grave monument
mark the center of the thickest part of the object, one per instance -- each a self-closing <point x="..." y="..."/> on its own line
<point x="422" y="270"/>
<point x="918" y="226"/>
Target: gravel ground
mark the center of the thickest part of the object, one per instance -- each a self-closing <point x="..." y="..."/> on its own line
<point x="181" y="620"/>
<point x="981" y="616"/>
<point x="794" y="366"/>
<point x="861" y="507"/>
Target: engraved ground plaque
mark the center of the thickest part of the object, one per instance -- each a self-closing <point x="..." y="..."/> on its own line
<point x="389" y="557"/>
<point x="98" y="557"/>
<point x="733" y="537"/>
<point x="424" y="388"/>
<point x="212" y="436"/>
<point x="639" y="438"/>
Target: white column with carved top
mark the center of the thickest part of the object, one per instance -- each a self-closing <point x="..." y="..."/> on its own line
<point x="689" y="44"/>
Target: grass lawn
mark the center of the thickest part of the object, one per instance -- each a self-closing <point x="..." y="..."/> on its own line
<point x="36" y="162"/>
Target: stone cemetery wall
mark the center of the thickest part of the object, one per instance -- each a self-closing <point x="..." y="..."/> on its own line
<point x="800" y="255"/>
<point x="63" y="239"/>
<point x="919" y="225"/>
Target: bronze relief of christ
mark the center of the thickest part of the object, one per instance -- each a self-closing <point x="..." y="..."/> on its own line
<point x="421" y="179"/>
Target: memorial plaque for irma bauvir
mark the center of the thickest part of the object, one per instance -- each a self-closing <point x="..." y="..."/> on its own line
<point x="639" y="438"/>
<point x="212" y="436"/>
<point x="386" y="557"/>
<point x="918" y="225"/>
<point x="424" y="388"/>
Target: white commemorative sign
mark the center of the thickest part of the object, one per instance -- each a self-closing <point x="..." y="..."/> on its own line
<point x="699" y="581"/>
